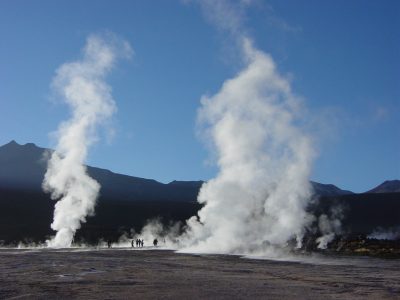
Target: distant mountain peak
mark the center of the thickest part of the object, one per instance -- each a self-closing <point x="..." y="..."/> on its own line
<point x="328" y="189"/>
<point x="388" y="186"/>
<point x="12" y="143"/>
<point x="30" y="145"/>
<point x="13" y="147"/>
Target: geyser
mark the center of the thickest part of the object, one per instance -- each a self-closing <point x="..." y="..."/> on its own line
<point x="261" y="192"/>
<point x="82" y="86"/>
<point x="257" y="201"/>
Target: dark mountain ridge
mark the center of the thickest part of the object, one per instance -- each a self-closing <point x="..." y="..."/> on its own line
<point x="24" y="166"/>
<point x="389" y="186"/>
<point x="127" y="202"/>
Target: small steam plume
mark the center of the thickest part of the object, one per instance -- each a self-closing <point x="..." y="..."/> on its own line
<point x="385" y="234"/>
<point x="329" y="226"/>
<point x="167" y="235"/>
<point x="258" y="199"/>
<point x="82" y="86"/>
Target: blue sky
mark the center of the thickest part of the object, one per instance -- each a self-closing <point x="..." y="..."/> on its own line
<point x="343" y="58"/>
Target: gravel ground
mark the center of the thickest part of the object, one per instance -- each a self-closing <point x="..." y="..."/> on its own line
<point x="162" y="274"/>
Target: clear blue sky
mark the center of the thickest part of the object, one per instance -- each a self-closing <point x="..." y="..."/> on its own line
<point x="343" y="58"/>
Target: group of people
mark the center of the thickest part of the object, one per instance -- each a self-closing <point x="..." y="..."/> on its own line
<point x="139" y="243"/>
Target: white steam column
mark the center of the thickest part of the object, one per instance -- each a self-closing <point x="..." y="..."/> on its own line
<point x="82" y="86"/>
<point x="260" y="194"/>
<point x="257" y="202"/>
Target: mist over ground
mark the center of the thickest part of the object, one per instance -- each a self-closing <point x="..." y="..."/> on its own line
<point x="258" y="132"/>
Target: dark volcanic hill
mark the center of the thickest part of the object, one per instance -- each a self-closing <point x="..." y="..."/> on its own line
<point x="24" y="166"/>
<point x="389" y="186"/>
<point x="127" y="202"/>
<point x="328" y="190"/>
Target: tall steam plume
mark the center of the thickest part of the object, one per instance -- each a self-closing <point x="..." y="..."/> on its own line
<point x="258" y="199"/>
<point x="82" y="86"/>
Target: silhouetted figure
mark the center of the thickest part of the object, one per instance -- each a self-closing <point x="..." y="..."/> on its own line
<point x="155" y="242"/>
<point x="142" y="242"/>
<point x="109" y="243"/>
<point x="132" y="244"/>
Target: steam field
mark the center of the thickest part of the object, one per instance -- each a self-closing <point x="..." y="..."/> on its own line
<point x="287" y="97"/>
<point x="154" y="274"/>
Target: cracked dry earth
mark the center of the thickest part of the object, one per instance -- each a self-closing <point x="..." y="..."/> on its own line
<point x="162" y="274"/>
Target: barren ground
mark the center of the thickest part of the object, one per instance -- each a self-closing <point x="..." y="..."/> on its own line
<point x="161" y="274"/>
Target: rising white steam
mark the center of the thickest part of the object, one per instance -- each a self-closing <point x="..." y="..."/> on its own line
<point x="385" y="234"/>
<point x="82" y="86"/>
<point x="261" y="191"/>
<point x="329" y="226"/>
<point x="258" y="199"/>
